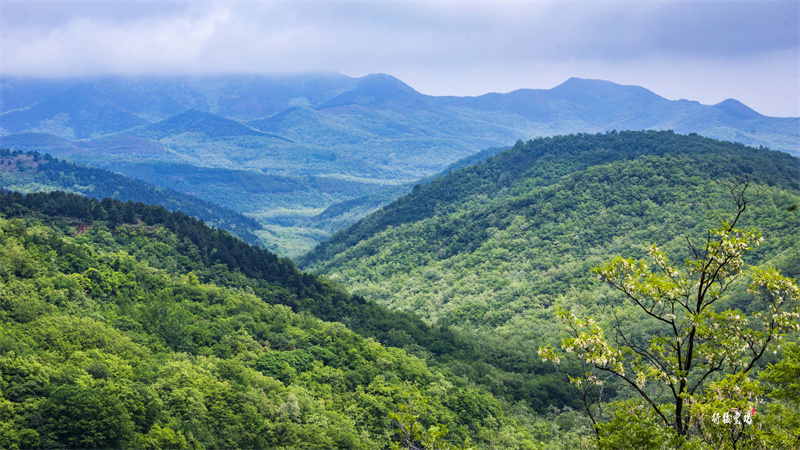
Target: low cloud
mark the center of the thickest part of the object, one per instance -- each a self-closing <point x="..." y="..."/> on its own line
<point x="490" y="44"/>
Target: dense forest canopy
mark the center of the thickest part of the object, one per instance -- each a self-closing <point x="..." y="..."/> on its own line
<point x="530" y="222"/>
<point x="497" y="249"/>
<point x="124" y="325"/>
<point x="127" y="325"/>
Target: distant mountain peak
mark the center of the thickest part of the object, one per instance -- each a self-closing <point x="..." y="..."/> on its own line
<point x="586" y="83"/>
<point x="736" y="109"/>
<point x="372" y="89"/>
<point x="196" y="121"/>
<point x="385" y="81"/>
<point x="577" y="81"/>
<point x="580" y="86"/>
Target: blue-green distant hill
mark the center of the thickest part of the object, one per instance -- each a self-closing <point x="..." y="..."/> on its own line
<point x="33" y="172"/>
<point x="374" y="130"/>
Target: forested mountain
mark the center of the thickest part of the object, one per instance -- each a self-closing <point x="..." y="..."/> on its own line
<point x="497" y="245"/>
<point x="194" y="121"/>
<point x="504" y="180"/>
<point x="125" y="325"/>
<point x="32" y="172"/>
<point x="374" y="130"/>
<point x="496" y="249"/>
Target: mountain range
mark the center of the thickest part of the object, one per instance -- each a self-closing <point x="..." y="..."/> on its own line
<point x="363" y="135"/>
<point x="126" y="325"/>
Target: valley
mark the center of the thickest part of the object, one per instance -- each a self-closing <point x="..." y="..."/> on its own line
<point x="351" y="261"/>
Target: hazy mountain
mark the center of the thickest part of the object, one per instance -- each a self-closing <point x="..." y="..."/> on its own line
<point x="82" y="108"/>
<point x="342" y="214"/>
<point x="194" y="121"/>
<point x="29" y="173"/>
<point x="155" y="98"/>
<point x="77" y="113"/>
<point x="372" y="130"/>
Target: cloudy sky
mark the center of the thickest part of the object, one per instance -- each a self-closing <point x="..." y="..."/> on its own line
<point x="704" y="51"/>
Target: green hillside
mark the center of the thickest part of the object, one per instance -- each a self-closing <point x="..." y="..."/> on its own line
<point x="496" y="249"/>
<point x="194" y="121"/>
<point x="152" y="331"/>
<point x="511" y="183"/>
<point x="31" y="172"/>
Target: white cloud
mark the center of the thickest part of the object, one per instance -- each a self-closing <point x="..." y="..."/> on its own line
<point x="708" y="50"/>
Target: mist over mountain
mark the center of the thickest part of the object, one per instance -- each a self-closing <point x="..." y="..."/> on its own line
<point x="91" y="107"/>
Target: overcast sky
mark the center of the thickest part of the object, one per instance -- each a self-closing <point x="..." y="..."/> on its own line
<point x="705" y="51"/>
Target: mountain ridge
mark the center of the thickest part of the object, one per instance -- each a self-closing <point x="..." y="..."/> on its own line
<point x="27" y="173"/>
<point x="196" y="121"/>
<point x="374" y="129"/>
<point x="584" y="151"/>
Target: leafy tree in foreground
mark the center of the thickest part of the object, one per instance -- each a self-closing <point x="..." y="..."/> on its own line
<point x="689" y="373"/>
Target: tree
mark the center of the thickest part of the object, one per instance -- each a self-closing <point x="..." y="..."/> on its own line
<point x="409" y="429"/>
<point x="691" y="350"/>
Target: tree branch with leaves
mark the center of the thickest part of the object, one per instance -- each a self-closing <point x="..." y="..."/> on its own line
<point x="691" y="343"/>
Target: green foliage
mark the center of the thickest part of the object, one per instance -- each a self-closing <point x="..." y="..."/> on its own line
<point x="410" y="432"/>
<point x="783" y="429"/>
<point x="162" y="333"/>
<point x="689" y="340"/>
<point x="497" y="248"/>
<point x="634" y="425"/>
<point x="724" y="415"/>
<point x="49" y="174"/>
<point x="158" y="438"/>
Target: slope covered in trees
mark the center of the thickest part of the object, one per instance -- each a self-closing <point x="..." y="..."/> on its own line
<point x="511" y="181"/>
<point x="32" y="172"/>
<point x="495" y="248"/>
<point x="123" y="324"/>
<point x="503" y="249"/>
